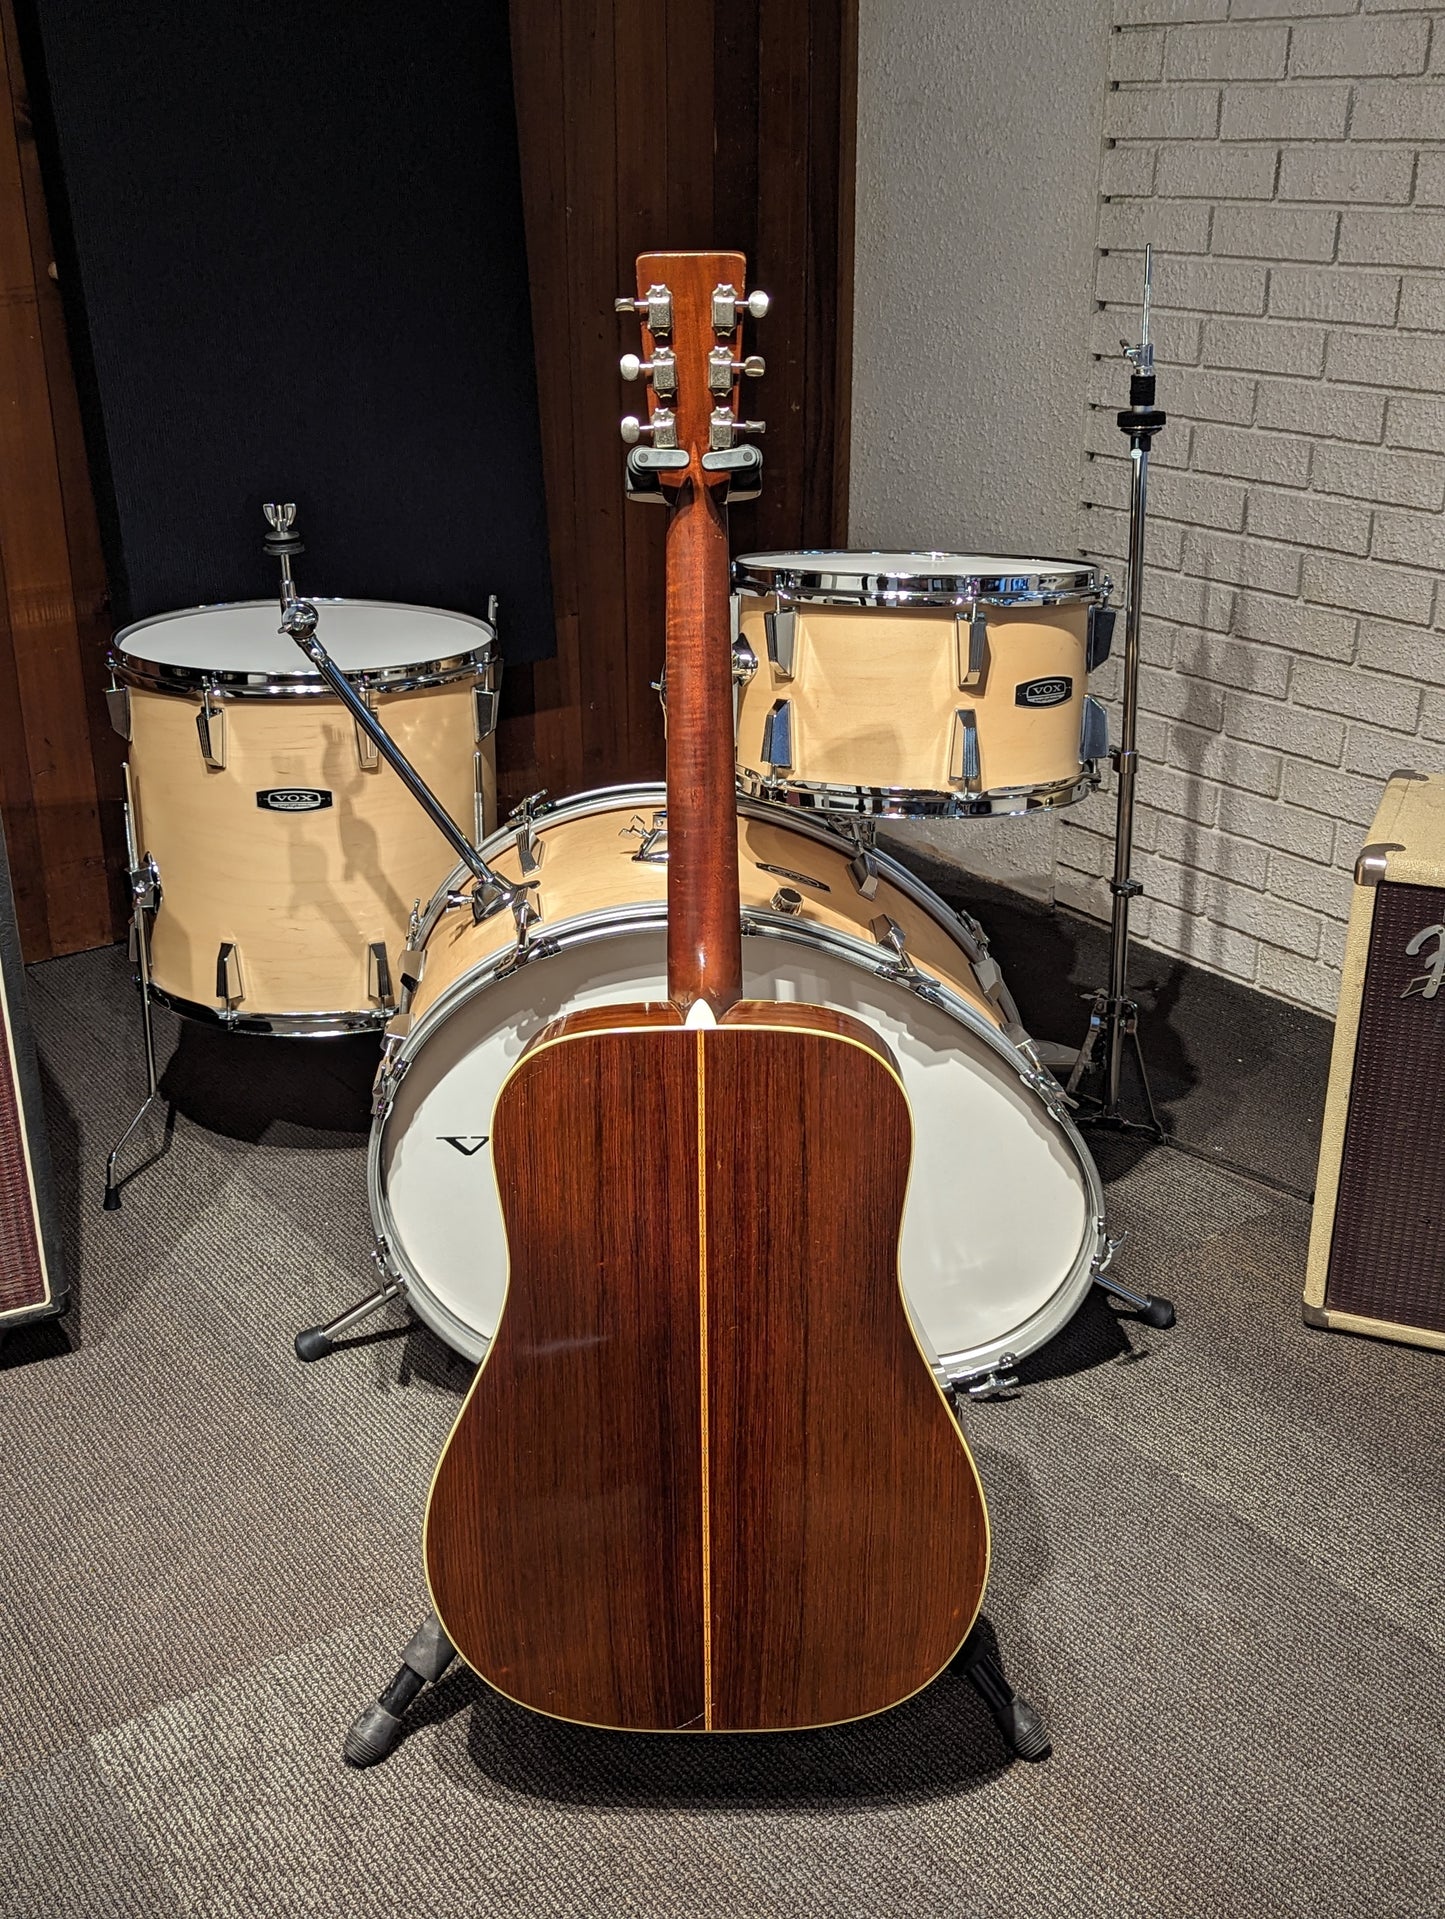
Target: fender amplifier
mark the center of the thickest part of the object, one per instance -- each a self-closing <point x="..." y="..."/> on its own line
<point x="32" y="1284"/>
<point x="1377" y="1246"/>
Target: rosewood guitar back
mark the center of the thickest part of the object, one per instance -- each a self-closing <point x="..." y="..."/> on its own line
<point x="705" y="1479"/>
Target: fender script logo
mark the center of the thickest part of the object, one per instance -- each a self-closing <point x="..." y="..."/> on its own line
<point x="460" y="1141"/>
<point x="1427" y="984"/>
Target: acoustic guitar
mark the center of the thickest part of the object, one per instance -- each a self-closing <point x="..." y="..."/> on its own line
<point x="705" y="1478"/>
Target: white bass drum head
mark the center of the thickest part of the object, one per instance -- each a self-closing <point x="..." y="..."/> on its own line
<point x="1003" y="1218"/>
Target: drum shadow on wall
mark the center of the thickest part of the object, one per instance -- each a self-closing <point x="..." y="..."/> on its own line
<point x="292" y="247"/>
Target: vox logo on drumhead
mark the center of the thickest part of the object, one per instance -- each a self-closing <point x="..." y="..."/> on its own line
<point x="293" y="799"/>
<point x="1050" y="692"/>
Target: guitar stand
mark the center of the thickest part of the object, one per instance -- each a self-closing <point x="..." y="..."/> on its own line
<point x="376" y="1732"/>
<point x="1018" y="1721"/>
<point x="379" y="1728"/>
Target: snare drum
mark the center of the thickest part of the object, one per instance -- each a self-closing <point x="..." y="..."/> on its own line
<point x="1004" y="1228"/>
<point x="909" y="684"/>
<point x="284" y="854"/>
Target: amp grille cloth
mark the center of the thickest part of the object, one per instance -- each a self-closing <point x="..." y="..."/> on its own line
<point x="1387" y="1257"/>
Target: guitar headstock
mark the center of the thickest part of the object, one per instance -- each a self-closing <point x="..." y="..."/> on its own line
<point x="692" y="307"/>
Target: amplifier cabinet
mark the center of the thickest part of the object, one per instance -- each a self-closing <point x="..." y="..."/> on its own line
<point x="32" y="1282"/>
<point x="1377" y="1246"/>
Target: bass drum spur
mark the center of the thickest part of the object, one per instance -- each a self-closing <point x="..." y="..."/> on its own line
<point x="1004" y="1228"/>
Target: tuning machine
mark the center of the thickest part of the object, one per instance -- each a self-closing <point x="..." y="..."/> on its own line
<point x="721" y="367"/>
<point x="662" y="427"/>
<point x="728" y="307"/>
<point x="655" y="307"/>
<point x="661" y="369"/>
<point x="723" y="427"/>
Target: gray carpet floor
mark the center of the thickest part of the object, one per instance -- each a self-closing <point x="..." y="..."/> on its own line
<point x="1218" y="1571"/>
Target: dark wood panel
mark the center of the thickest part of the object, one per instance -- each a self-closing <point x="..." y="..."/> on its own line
<point x="647" y="127"/>
<point x="61" y="767"/>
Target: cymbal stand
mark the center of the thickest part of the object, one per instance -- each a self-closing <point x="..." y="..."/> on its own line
<point x="490" y="892"/>
<point x="299" y="620"/>
<point x="1114" y="1016"/>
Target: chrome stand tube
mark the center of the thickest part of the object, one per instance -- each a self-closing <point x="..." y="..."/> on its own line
<point x="298" y="621"/>
<point x="1114" y="1017"/>
<point x="111" y="1202"/>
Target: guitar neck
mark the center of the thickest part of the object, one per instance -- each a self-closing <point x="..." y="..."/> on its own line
<point x="704" y="944"/>
<point x="692" y="415"/>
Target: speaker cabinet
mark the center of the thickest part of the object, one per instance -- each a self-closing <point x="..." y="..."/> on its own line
<point x="1377" y="1248"/>
<point x="32" y="1282"/>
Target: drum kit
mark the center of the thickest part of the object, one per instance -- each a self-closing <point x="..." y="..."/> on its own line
<point x="277" y="876"/>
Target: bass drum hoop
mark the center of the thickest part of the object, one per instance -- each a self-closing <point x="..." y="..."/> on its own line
<point x="589" y="928"/>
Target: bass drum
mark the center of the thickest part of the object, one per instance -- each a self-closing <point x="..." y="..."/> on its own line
<point x="1004" y="1227"/>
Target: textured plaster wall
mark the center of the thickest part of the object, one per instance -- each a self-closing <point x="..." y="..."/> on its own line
<point x="979" y="134"/>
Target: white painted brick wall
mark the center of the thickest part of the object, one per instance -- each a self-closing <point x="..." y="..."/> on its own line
<point x="1287" y="158"/>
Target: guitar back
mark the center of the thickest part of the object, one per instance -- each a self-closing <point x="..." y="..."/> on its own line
<point x="706" y="1479"/>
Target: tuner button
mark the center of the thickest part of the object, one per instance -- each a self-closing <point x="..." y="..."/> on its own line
<point x="631" y="429"/>
<point x="757" y="304"/>
<point x="624" y="303"/>
<point x="631" y="367"/>
<point x="753" y="365"/>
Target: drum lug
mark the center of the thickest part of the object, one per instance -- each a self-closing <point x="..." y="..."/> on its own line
<point x="1104" y="1258"/>
<point x="368" y="758"/>
<point x="653" y="850"/>
<point x="1042" y="1082"/>
<point x="781" y="628"/>
<point x="211" y="732"/>
<point x="964" y="767"/>
<point x="890" y="935"/>
<point x="1093" y="731"/>
<point x="390" y="1071"/>
<point x="778" y="736"/>
<point x="1101" y="634"/>
<point x="486" y="699"/>
<point x="378" y="975"/>
<point x="986" y="1385"/>
<point x="117" y="702"/>
<point x="144" y="880"/>
<point x="230" y="982"/>
<point x="971" y="653"/>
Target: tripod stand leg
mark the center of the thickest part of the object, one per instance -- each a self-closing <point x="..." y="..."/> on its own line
<point x="1016" y="1719"/>
<point x="111" y="1202"/>
<point x="376" y="1732"/>
<point x="315" y="1342"/>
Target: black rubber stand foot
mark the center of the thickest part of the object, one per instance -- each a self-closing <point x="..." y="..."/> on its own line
<point x="1024" y="1730"/>
<point x="312" y="1344"/>
<point x="375" y="1734"/>
<point x="1159" y="1312"/>
<point x="111" y="1202"/>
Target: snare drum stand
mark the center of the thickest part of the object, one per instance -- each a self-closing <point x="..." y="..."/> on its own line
<point x="1114" y="1016"/>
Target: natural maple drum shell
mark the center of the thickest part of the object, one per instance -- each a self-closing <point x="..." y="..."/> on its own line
<point x="588" y="867"/>
<point x="301" y="895"/>
<point x="874" y="691"/>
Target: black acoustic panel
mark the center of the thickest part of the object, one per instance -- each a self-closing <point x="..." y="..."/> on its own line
<point x="299" y="245"/>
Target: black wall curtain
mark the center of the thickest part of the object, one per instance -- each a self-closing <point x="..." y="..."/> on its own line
<point x="297" y="270"/>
